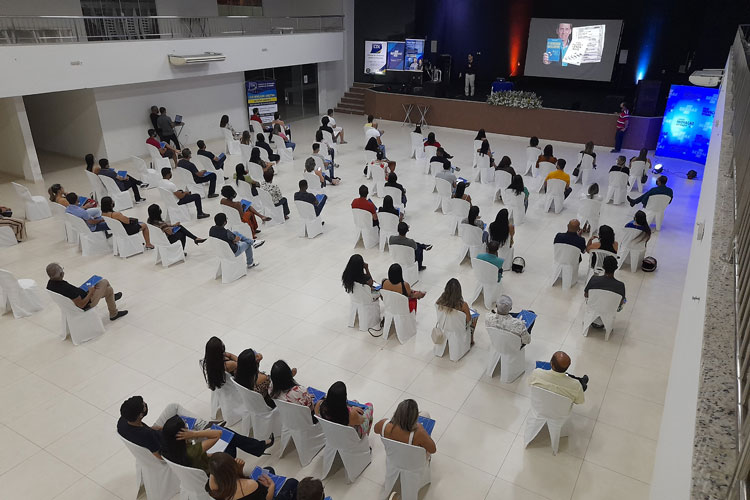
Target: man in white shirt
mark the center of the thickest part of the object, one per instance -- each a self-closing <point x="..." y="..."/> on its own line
<point x="502" y="318"/>
<point x="338" y="132"/>
<point x="559" y="382"/>
<point x="183" y="197"/>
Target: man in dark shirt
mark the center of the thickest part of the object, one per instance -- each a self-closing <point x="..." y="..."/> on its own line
<point x="303" y="195"/>
<point x="365" y="204"/>
<point x="607" y="282"/>
<point x="620" y="166"/>
<point x="661" y="188"/>
<point x="573" y="236"/>
<point x="154" y="117"/>
<point x="470" y="73"/>
<point x="199" y="176"/>
<point x="215" y="160"/>
<point x="393" y="182"/>
<point x="124" y="183"/>
<point x="82" y="299"/>
<point x="237" y="242"/>
<point x="166" y="126"/>
<point x="401" y="239"/>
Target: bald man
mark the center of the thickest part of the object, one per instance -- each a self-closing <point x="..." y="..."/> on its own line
<point x="572" y="236"/>
<point x="84" y="299"/>
<point x="559" y="382"/>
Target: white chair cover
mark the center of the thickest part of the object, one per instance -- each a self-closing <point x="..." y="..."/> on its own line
<point x="403" y="255"/>
<point x="328" y="140"/>
<point x="92" y="243"/>
<point x="364" y="229"/>
<point x="296" y="425"/>
<point x="487" y="284"/>
<point x="96" y="185"/>
<point x="123" y="244"/>
<point x="59" y="212"/>
<point x="457" y="334"/>
<point x="166" y="253"/>
<point x="475" y="146"/>
<point x="313" y="183"/>
<point x="155" y="475"/>
<point x="285" y="153"/>
<point x="270" y="210"/>
<point x="429" y="152"/>
<point x="417" y="145"/>
<point x="232" y="146"/>
<point x="183" y="179"/>
<point x="637" y="169"/>
<point x="150" y="176"/>
<point x="122" y="199"/>
<point x="631" y="248"/>
<point x="175" y="213"/>
<point x="585" y="169"/>
<point x="263" y="155"/>
<point x="506" y="351"/>
<point x="204" y="163"/>
<point x="388" y="227"/>
<point x="396" y="307"/>
<point x="551" y="409"/>
<point x="588" y="211"/>
<point x="502" y="181"/>
<point x="617" y="188"/>
<point x="157" y="160"/>
<point x="36" y="206"/>
<point x="256" y="414"/>
<point x="312" y="225"/>
<point x="655" y="207"/>
<point x="192" y="481"/>
<point x="405" y="463"/>
<point x="565" y="265"/>
<point x="532" y="154"/>
<point x="7" y="237"/>
<point x="370" y="157"/>
<point x="81" y="325"/>
<point x="444" y="193"/>
<point x="471" y="242"/>
<point x="343" y="441"/>
<point x="230" y="267"/>
<point x="506" y="252"/>
<point x="227" y="399"/>
<point x="601" y="304"/>
<point x="21" y="296"/>
<point x="234" y="222"/>
<point x="485" y="173"/>
<point x="515" y="206"/>
<point x="364" y="305"/>
<point x="245" y="152"/>
<point x="394" y="193"/>
<point x="598" y="256"/>
<point x="545" y="168"/>
<point x="555" y="194"/>
<point x="458" y="211"/>
<point x="255" y="171"/>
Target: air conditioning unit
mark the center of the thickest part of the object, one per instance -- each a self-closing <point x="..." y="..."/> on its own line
<point x="706" y="77"/>
<point x="206" y="57"/>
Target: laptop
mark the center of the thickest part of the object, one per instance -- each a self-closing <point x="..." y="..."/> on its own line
<point x="178" y="118"/>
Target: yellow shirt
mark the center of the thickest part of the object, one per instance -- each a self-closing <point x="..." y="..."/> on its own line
<point x="557" y="382"/>
<point x="559" y="174"/>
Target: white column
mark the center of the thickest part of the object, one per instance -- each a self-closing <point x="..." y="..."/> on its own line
<point x="16" y="142"/>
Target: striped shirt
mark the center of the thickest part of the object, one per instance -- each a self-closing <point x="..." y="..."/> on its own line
<point x="622" y="119"/>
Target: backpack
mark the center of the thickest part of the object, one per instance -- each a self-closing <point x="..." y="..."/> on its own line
<point x="648" y="265"/>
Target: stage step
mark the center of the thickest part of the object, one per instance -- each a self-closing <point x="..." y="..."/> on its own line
<point x="362" y="85"/>
<point x="343" y="108"/>
<point x="359" y="96"/>
<point x="353" y="101"/>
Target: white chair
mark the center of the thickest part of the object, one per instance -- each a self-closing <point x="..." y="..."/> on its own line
<point x="36" y="206"/>
<point x="405" y="463"/>
<point x="256" y="171"/>
<point x="601" y="304"/>
<point x="487" y="284"/>
<point x="245" y="153"/>
<point x="506" y="252"/>
<point x="502" y="181"/>
<point x="192" y="481"/>
<point x="566" y="265"/>
<point x="655" y="207"/>
<point x="81" y="325"/>
<point x="597" y="257"/>
<point x="370" y="157"/>
<point x="7" y="237"/>
<point x="458" y="211"/>
<point x="457" y="334"/>
<point x="157" y="160"/>
<point x="230" y="267"/>
<point x="343" y="441"/>
<point x="515" y="204"/>
<point x="123" y="244"/>
<point x="232" y="146"/>
<point x="433" y="168"/>
<point x="59" y="212"/>
<point x="555" y="194"/>
<point x="388" y="227"/>
<point x="205" y="163"/>
<point x="532" y="154"/>
<point x="364" y="305"/>
<point x="585" y="169"/>
<point x="285" y="153"/>
<point x="92" y="243"/>
<point x="545" y="168"/>
<point x="175" y="212"/>
<point x="485" y="173"/>
<point x="364" y="228"/>
<point x="270" y="210"/>
<point x="166" y="253"/>
<point x="96" y="185"/>
<point x="397" y="314"/>
<point x="234" y="222"/>
<point x="313" y="183"/>
<point x="183" y="179"/>
<point x="263" y="155"/>
<point x="617" y="189"/>
<point x="475" y="147"/>
<point x="155" y="475"/>
<point x="329" y="142"/>
<point x="506" y="351"/>
<point x="429" y="153"/>
<point x="417" y="145"/>
<point x="444" y="193"/>
<point x="551" y="409"/>
<point x="312" y="224"/>
<point x="471" y="242"/>
<point x="632" y="248"/>
<point x="255" y="129"/>
<point x="122" y="199"/>
<point x="245" y="192"/>
<point x="256" y="414"/>
<point x="637" y="170"/>
<point x="20" y="296"/>
<point x="227" y="399"/>
<point x="297" y="426"/>
<point x="150" y="176"/>
<point x="404" y="256"/>
<point x="395" y="194"/>
<point x="588" y="212"/>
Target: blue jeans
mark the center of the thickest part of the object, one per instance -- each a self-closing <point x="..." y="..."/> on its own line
<point x="381" y="147"/>
<point x="290" y="144"/>
<point x="619" y="135"/>
<point x="320" y="205"/>
<point x="245" y="245"/>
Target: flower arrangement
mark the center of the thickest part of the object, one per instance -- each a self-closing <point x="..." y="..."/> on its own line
<point x="515" y="99"/>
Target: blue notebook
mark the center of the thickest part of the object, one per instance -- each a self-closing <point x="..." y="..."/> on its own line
<point x="355" y="404"/>
<point x="122" y="173"/>
<point x="554" y="49"/>
<point x="90" y="282"/>
<point x="81" y="200"/>
<point x="223" y="442"/>
<point x="544" y="365"/>
<point x="317" y="395"/>
<point x="277" y="480"/>
<point x="189" y="421"/>
<point x="461" y="179"/>
<point x="162" y="144"/>
<point x="474" y="313"/>
<point x="246" y="204"/>
<point x="175" y="229"/>
<point x="221" y="156"/>
<point x="319" y="197"/>
<point x="427" y="423"/>
<point x="527" y="317"/>
<point x="376" y="286"/>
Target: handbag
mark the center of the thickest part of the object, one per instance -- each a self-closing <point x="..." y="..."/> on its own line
<point x="644" y="179"/>
<point x="437" y="335"/>
<point x="576" y="171"/>
<point x="518" y="265"/>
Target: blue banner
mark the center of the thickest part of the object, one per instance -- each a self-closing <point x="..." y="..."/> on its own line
<point x="396" y="55"/>
<point x="262" y="95"/>
<point x="688" y="120"/>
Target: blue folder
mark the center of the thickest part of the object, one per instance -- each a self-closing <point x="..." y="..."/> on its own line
<point x="527" y="317"/>
<point x="319" y="197"/>
<point x="376" y="286"/>
<point x="246" y="204"/>
<point x="474" y="314"/>
<point x="544" y="365"/>
<point x="355" y="404"/>
<point x="162" y="144"/>
<point x="221" y="156"/>
<point x="175" y="229"/>
<point x="224" y="440"/>
<point x="82" y="200"/>
<point x="90" y="282"/>
<point x="189" y="421"/>
<point x="122" y="173"/>
<point x="461" y="179"/>
<point x="427" y="423"/>
<point x="317" y="395"/>
<point x="277" y="480"/>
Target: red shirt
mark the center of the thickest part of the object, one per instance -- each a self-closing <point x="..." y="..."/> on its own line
<point x="256" y="118"/>
<point x="154" y="142"/>
<point x="622" y="119"/>
<point x="364" y="204"/>
<point x="436" y="144"/>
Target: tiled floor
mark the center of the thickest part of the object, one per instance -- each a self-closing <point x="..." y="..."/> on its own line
<point x="59" y="403"/>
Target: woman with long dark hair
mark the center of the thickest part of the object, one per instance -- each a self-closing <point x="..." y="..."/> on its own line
<point x="91" y="165"/>
<point x="481" y="135"/>
<point x="640" y="222"/>
<point x="247" y="216"/>
<point x="452" y="299"/>
<point x="356" y="271"/>
<point x="240" y="174"/>
<point x="475" y="220"/>
<point x="395" y="283"/>
<point x="588" y="149"/>
<point x="284" y="387"/>
<point x="501" y="230"/>
<point x="174" y="232"/>
<point x="224" y="123"/>
<point x="388" y="207"/>
<point x="642" y="156"/>
<point x="516" y="185"/>
<point x="505" y="165"/>
<point x="216" y="363"/>
<point x="131" y="224"/>
<point x="226" y="481"/>
<point x="604" y="240"/>
<point x="249" y="376"/>
<point x="460" y="192"/>
<point x="547" y="155"/>
<point x="334" y="407"/>
<point x="484" y="150"/>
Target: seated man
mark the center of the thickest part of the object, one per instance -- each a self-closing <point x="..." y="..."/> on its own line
<point x="84" y="300"/>
<point x="328" y="164"/>
<point x="124" y="183"/>
<point x="256" y="116"/>
<point x="217" y="162"/>
<point x="620" y="166"/>
<point x="661" y="188"/>
<point x="445" y="174"/>
<point x="199" y="176"/>
<point x="183" y="197"/>
<point x="338" y="132"/>
<point x="502" y="318"/>
<point x="166" y="151"/>
<point x="401" y="239"/>
<point x="559" y="382"/>
<point x="373" y="131"/>
<point x="491" y="256"/>
<point x="94" y="223"/>
<point x="303" y="195"/>
<point x="559" y="173"/>
<point x="363" y="203"/>
<point x="442" y="157"/>
<point x="572" y="236"/>
<point x="237" y="242"/>
<point x="607" y="282"/>
<point x="393" y="182"/>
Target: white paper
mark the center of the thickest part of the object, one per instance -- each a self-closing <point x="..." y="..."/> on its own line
<point x="586" y="45"/>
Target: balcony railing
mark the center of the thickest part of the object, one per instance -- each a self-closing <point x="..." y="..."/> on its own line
<point x="36" y="30"/>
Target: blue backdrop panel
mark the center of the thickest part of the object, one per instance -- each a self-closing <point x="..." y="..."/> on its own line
<point x="688" y="120"/>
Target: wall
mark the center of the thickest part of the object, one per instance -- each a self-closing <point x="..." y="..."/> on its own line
<point x="66" y="123"/>
<point x="187" y="8"/>
<point x="124" y="110"/>
<point x="331" y="84"/>
<point x="19" y="156"/>
<point x="40" y="8"/>
<point x="298" y="8"/>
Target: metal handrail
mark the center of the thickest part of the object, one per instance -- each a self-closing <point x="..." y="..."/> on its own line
<point x="20" y="30"/>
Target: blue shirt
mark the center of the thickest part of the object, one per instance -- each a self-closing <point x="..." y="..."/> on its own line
<point x="495" y="261"/>
<point x="653" y="192"/>
<point x="78" y="212"/>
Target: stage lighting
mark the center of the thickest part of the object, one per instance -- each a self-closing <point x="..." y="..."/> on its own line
<point x="658" y="168"/>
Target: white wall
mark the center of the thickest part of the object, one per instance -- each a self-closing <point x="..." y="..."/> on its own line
<point x="331" y="84"/>
<point x="187" y="8"/>
<point x="349" y="42"/>
<point x="40" y="7"/>
<point x="124" y="110"/>
<point x="19" y="159"/>
<point x="292" y="8"/>
<point x="65" y="122"/>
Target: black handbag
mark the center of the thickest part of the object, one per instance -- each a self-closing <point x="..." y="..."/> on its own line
<point x="518" y="265"/>
<point x="576" y="171"/>
<point x="644" y="179"/>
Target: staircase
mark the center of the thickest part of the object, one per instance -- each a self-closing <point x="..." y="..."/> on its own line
<point x="353" y="101"/>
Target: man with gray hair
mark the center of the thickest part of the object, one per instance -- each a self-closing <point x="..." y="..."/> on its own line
<point x="502" y="318"/>
<point x="84" y="299"/>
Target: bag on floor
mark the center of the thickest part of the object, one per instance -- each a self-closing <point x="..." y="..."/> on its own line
<point x="648" y="265"/>
<point x="518" y="265"/>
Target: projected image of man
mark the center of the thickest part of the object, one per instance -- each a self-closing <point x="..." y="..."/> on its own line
<point x="557" y="47"/>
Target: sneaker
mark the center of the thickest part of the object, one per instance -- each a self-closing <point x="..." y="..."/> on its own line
<point x="428" y="248"/>
<point x="198" y="241"/>
<point x="138" y="202"/>
<point x="213" y="195"/>
<point x="422" y="268"/>
<point x="119" y="315"/>
<point x="204" y="216"/>
<point x="254" y="264"/>
<point x="144" y="185"/>
<point x="118" y="295"/>
<point x="631" y="201"/>
<point x="457" y="169"/>
<point x="258" y="243"/>
<point x="211" y="423"/>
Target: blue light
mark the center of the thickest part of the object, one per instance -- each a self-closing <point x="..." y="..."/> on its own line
<point x="640" y="74"/>
<point x="649" y="40"/>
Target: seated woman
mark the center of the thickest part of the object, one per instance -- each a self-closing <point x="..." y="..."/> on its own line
<point x="396" y="283"/>
<point x="226" y="481"/>
<point x="174" y="232"/>
<point x="247" y="216"/>
<point x="278" y="132"/>
<point x="474" y="220"/>
<point x="642" y="156"/>
<point x="335" y="408"/>
<point x="240" y="174"/>
<point x="273" y="189"/>
<point x="17" y="225"/>
<point x="91" y="164"/>
<point x="175" y="447"/>
<point x="505" y="165"/>
<point x="217" y="362"/>
<point x="432" y="142"/>
<point x="547" y="155"/>
<point x="501" y="230"/>
<point x="249" y="376"/>
<point x="380" y="159"/>
<point x="131" y="224"/>
<point x="224" y="123"/>
<point x="404" y="427"/>
<point x="516" y="185"/>
<point x="484" y="150"/>
<point x="284" y="387"/>
<point x="588" y="149"/>
<point x="452" y="299"/>
<point x="641" y="223"/>
<point x="592" y="193"/>
<point x="245" y="139"/>
<point x="57" y="194"/>
<point x="389" y="208"/>
<point x="460" y="192"/>
<point x="356" y="271"/>
<point x="260" y="142"/>
<point x="605" y="240"/>
<point x="255" y="158"/>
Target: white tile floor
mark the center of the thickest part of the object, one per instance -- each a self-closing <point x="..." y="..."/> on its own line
<point x="59" y="403"/>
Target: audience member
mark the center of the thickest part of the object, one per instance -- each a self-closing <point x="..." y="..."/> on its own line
<point x="245" y="138"/>
<point x="328" y="164"/>
<point x="247" y="215"/>
<point x="640" y="222"/>
<point x="224" y="123"/>
<point x="312" y="168"/>
<point x="199" y="176"/>
<point x="84" y="299"/>
<point x="226" y="481"/>
<point x="319" y="139"/>
<point x="275" y="192"/>
<point x="335" y="408"/>
<point x="642" y="156"/>
<point x="95" y="223"/>
<point x="216" y="363"/>
<point x="256" y="117"/>
<point x="325" y="127"/>
<point x="620" y="166"/>
<point x="452" y="299"/>
<point x="588" y="149"/>
<point x="393" y="182"/>
<point x="154" y="117"/>
<point x="166" y="128"/>
<point x="501" y="230"/>
<point x="278" y="121"/>
<point x="559" y="173"/>
<point x="131" y="224"/>
<point x="558" y="381"/>
<point x="592" y="193"/>
<point x="474" y="220"/>
<point x="174" y="232"/>
<point x="58" y="195"/>
<point x="217" y="162"/>
<point x="604" y="240"/>
<point x="388" y="207"/>
<point x="237" y="242"/>
<point x="491" y="256"/>
<point x="481" y="135"/>
<point x="183" y="197"/>
<point x="310" y="488"/>
<point x="256" y="158"/>
<point x="165" y="150"/>
<point x="284" y="387"/>
<point x="279" y="133"/>
<point x="460" y="192"/>
<point x="303" y="195"/>
<point x="516" y="185"/>
<point x="660" y="188"/>
<point x="124" y="183"/>
<point x="241" y="174"/>
<point x="17" y="225"/>
<point x="505" y="166"/>
<point x="440" y="157"/>
<point x="356" y="271"/>
<point x="572" y="236"/>
<point x="419" y="248"/>
<point x="404" y="427"/>
<point x="363" y="203"/>
<point x="547" y="156"/>
<point x="374" y="132"/>
<point x="338" y="131"/>
<point x="606" y="282"/>
<point x="484" y="150"/>
<point x="502" y="318"/>
<point x="260" y="142"/>
<point x="431" y="140"/>
<point x="395" y="283"/>
<point x="249" y="376"/>
<point x="91" y="166"/>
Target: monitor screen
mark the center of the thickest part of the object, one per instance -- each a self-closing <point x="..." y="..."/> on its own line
<point x="414" y="54"/>
<point x="396" y="56"/>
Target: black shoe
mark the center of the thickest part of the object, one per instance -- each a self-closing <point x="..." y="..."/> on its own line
<point x="422" y="268"/>
<point x="107" y="234"/>
<point x="119" y="315"/>
<point x="211" y="423"/>
<point x="144" y="185"/>
<point x="118" y="295"/>
<point x="198" y="241"/>
<point x="631" y="201"/>
<point x="585" y="379"/>
<point x="427" y="248"/>
<point x="204" y="216"/>
<point x="268" y="445"/>
<point x="226" y="178"/>
<point x="213" y="195"/>
<point x="615" y="151"/>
